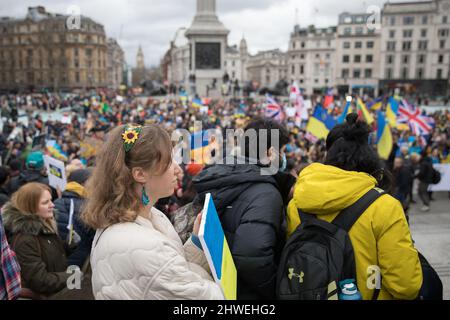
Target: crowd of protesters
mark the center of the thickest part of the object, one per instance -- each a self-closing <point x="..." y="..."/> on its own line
<point x="35" y="216"/>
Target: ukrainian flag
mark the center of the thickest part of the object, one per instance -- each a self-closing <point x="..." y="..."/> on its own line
<point x="217" y="251"/>
<point x="392" y="111"/>
<point x="364" y="112"/>
<point x="183" y="97"/>
<point x="376" y="104"/>
<point x="384" y="137"/>
<point x="348" y="109"/>
<point x="197" y="103"/>
<point x="320" y="123"/>
<point x="200" y="148"/>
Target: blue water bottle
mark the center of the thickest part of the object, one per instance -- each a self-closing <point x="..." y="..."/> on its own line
<point x="349" y="290"/>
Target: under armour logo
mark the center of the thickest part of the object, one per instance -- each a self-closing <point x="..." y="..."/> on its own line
<point x="299" y="276"/>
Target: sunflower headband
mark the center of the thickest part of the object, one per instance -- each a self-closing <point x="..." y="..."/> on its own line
<point x="130" y="136"/>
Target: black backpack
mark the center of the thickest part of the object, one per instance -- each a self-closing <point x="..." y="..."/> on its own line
<point x="319" y="254"/>
<point x="436" y="177"/>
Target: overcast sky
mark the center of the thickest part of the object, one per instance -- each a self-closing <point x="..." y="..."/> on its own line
<point x="266" y="24"/>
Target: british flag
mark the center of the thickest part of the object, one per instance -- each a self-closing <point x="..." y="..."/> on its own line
<point x="273" y="109"/>
<point x="420" y="125"/>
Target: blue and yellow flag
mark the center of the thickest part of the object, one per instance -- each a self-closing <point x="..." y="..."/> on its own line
<point x="347" y="109"/>
<point x="200" y="148"/>
<point x="364" y="112"/>
<point x="320" y="123"/>
<point x="376" y="104"/>
<point x="384" y="137"/>
<point x="197" y="103"/>
<point x="217" y="251"/>
<point x="392" y="111"/>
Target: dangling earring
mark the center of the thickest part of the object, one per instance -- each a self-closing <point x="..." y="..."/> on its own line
<point x="145" y="200"/>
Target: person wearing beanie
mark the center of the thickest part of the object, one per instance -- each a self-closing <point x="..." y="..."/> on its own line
<point x="82" y="236"/>
<point x="34" y="172"/>
<point x="381" y="236"/>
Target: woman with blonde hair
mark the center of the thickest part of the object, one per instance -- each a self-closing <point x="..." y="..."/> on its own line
<point x="136" y="253"/>
<point x="31" y="227"/>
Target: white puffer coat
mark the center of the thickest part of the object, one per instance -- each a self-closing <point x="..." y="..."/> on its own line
<point x="146" y="260"/>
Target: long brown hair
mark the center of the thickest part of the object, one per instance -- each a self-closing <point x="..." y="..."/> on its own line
<point x="111" y="188"/>
<point x="27" y="198"/>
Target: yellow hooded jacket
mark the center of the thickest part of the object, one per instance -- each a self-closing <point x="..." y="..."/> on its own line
<point x="380" y="237"/>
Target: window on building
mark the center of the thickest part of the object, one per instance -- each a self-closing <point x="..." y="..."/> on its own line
<point x="358" y="45"/>
<point x="406" y="46"/>
<point x="442" y="44"/>
<point x="347" y="31"/>
<point x="444" y="19"/>
<point x="345" y="73"/>
<point x="302" y="69"/>
<point x="424" y="19"/>
<point x="405" y="59"/>
<point x="88" y="52"/>
<point x="75" y="51"/>
<point x="369" y="58"/>
<point x="421" y="58"/>
<point x="407" y="33"/>
<point x="346" y="59"/>
<point x="77" y="64"/>
<point x="390" y="59"/>
<point x="233" y="74"/>
<point x="293" y="44"/>
<point x="77" y="77"/>
<point x="439" y="74"/>
<point x="389" y="73"/>
<point x="346" y="45"/>
<point x="327" y="56"/>
<point x="316" y="80"/>
<point x="441" y="58"/>
<point x="391" y="45"/>
<point x="293" y="69"/>
<point x="392" y="21"/>
<point x="423" y="44"/>
<point x="419" y="73"/>
<point x="369" y="44"/>
<point x="329" y="43"/>
<point x="233" y="63"/>
<point x="391" y="34"/>
<point x="318" y="44"/>
<point x="404" y="73"/>
<point x="302" y="56"/>
<point x="359" y="30"/>
<point x="423" y="33"/>
<point x="357" y="58"/>
<point x="368" y="73"/>
<point x="356" y="73"/>
<point x="303" y="44"/>
<point x="225" y="63"/>
<point x="443" y="32"/>
<point x="408" y="21"/>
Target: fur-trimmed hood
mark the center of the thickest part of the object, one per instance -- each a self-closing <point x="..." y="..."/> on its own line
<point x="16" y="222"/>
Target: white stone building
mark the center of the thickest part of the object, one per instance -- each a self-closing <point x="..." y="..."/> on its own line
<point x="357" y="55"/>
<point x="311" y="57"/>
<point x="415" y="47"/>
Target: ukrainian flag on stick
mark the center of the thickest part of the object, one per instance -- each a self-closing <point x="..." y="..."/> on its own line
<point x="320" y="123"/>
<point x="364" y="112"/>
<point x="217" y="251"/>
<point x="392" y="111"/>
<point x="197" y="103"/>
<point x="376" y="104"/>
<point x="200" y="148"/>
<point x="348" y="109"/>
<point x="384" y="137"/>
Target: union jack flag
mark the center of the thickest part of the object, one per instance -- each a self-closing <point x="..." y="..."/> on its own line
<point x="273" y="109"/>
<point x="420" y="125"/>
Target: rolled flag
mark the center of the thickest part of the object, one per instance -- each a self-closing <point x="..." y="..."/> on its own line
<point x="384" y="137"/>
<point x="347" y="110"/>
<point x="392" y="110"/>
<point x="364" y="112"/>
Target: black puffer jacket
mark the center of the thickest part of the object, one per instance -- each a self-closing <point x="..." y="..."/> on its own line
<point x="81" y="253"/>
<point x="251" y="207"/>
<point x="426" y="171"/>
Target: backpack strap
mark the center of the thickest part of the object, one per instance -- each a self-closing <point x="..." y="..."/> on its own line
<point x="347" y="218"/>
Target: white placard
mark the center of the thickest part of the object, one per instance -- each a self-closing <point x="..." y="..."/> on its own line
<point x="444" y="185"/>
<point x="56" y="173"/>
<point x="291" y="112"/>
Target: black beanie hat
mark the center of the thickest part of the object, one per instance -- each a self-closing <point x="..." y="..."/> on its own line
<point x="80" y="176"/>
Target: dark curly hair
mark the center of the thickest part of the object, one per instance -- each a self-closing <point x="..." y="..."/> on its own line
<point x="348" y="149"/>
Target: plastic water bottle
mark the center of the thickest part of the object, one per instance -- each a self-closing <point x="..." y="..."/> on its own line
<point x="349" y="290"/>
